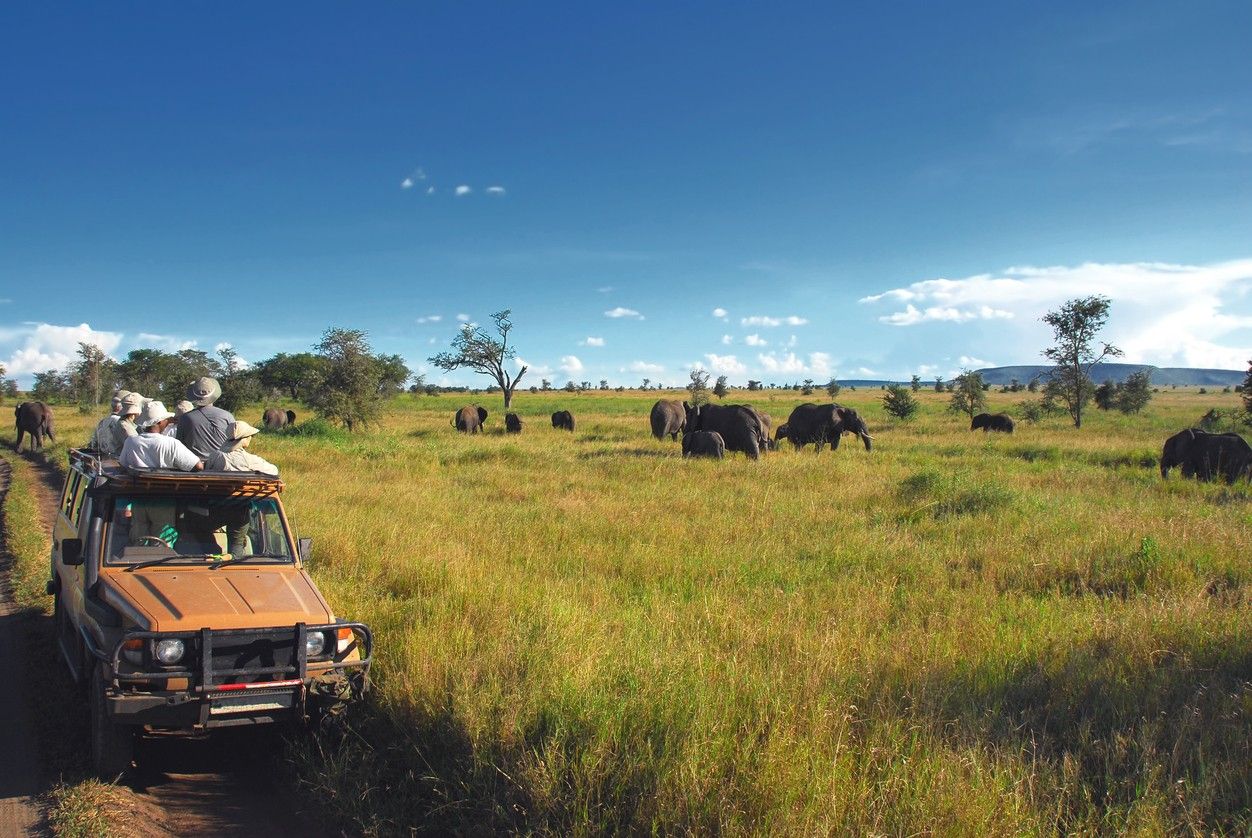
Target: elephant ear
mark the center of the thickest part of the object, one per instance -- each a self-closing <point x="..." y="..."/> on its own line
<point x="482" y="414"/>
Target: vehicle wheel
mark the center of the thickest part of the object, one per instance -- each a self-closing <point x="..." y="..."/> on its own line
<point x="112" y="745"/>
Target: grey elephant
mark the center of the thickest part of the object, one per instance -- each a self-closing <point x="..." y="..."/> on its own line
<point x="739" y="425"/>
<point x="822" y="423"/>
<point x="1206" y="456"/>
<point x="470" y="419"/>
<point x="512" y="423"/>
<point x="780" y="434"/>
<point x="704" y="444"/>
<point x="34" y="418"/>
<point x="273" y="418"/>
<point x="668" y="417"/>
<point x="563" y="420"/>
<point x="1001" y="422"/>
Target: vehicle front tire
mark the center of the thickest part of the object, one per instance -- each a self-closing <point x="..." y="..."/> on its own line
<point x="112" y="745"/>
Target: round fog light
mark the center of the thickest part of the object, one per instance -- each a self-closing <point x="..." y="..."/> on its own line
<point x="169" y="651"/>
<point x="314" y="643"/>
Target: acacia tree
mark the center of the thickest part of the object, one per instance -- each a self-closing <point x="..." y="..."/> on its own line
<point x="720" y="389"/>
<point x="699" y="387"/>
<point x="1074" y="328"/>
<point x="968" y="394"/>
<point x="476" y="349"/>
<point x="349" y="392"/>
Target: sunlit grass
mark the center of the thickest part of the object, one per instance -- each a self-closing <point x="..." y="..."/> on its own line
<point x="957" y="632"/>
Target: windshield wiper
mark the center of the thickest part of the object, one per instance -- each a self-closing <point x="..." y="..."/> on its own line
<point x="163" y="560"/>
<point x="238" y="559"/>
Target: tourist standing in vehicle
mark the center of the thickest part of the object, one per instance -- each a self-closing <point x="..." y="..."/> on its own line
<point x="112" y="431"/>
<point x="204" y="428"/>
<point x="152" y="448"/>
<point x="233" y="457"/>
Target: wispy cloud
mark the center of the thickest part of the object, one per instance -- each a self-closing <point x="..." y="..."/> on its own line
<point x="430" y="318"/>
<point x="495" y="190"/>
<point x="169" y="343"/>
<point x="644" y="367"/>
<point x="604" y="289"/>
<point x="755" y="340"/>
<point x="771" y="322"/>
<point x="464" y="318"/>
<point x="727" y="340"/>
<point x="620" y="312"/>
<point x="462" y="190"/>
<point x="590" y="341"/>
<point x="1206" y="326"/>
<point x="970" y="362"/>
<point x="413" y="179"/>
<point x="819" y="363"/>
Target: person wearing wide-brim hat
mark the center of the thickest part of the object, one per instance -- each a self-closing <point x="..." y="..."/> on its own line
<point x="233" y="455"/>
<point x="180" y="408"/>
<point x="152" y="448"/>
<point x="206" y="427"/>
<point x="113" y="430"/>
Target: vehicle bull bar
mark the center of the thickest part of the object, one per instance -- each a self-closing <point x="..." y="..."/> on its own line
<point x="204" y="673"/>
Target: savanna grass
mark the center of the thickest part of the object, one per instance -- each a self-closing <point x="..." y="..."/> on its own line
<point x="954" y="633"/>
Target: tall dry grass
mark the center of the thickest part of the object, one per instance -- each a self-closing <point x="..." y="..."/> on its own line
<point x="956" y="633"/>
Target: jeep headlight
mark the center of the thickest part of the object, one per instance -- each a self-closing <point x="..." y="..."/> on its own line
<point x="169" y="651"/>
<point x="314" y="644"/>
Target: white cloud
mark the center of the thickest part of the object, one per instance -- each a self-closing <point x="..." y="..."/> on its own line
<point x="644" y="367"/>
<point x="866" y="372"/>
<point x="430" y="318"/>
<point x="571" y="364"/>
<point x="464" y="318"/>
<point x="49" y="347"/>
<point x="789" y="363"/>
<point x="719" y="313"/>
<point x="819" y="365"/>
<point x="771" y="322"/>
<point x="169" y="343"/>
<point x="970" y="362"/>
<point x="463" y="190"/>
<point x="411" y="181"/>
<point x="407" y="183"/>
<point x="243" y="362"/>
<point x="727" y="340"/>
<point x="1162" y="314"/>
<point x="791" y="342"/>
<point x="604" y="289"/>
<point x="540" y="370"/>
<point x="495" y="190"/>
<point x="590" y="341"/>
<point x="725" y="364"/>
<point x="430" y="190"/>
<point x="623" y="312"/>
<point x="755" y="340"/>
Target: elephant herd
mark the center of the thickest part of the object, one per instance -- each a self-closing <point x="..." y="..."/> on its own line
<point x="710" y="430"/>
<point x="472" y="419"/>
<point x="1207" y="456"/>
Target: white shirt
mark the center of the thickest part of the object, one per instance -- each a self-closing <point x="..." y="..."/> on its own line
<point x="240" y="460"/>
<point x="157" y="451"/>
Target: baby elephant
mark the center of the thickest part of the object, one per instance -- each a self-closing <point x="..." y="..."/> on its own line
<point x="704" y="444"/>
<point x="512" y="423"/>
<point x="563" y="420"/>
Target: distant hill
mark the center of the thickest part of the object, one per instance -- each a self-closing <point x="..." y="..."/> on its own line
<point x="1161" y="376"/>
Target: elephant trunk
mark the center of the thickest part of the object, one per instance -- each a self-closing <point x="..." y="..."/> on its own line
<point x="867" y="439"/>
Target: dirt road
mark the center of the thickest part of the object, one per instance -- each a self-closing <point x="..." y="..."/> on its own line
<point x="228" y="785"/>
<point x="19" y="773"/>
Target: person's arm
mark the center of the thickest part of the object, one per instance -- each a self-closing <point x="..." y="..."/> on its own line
<point x="185" y="459"/>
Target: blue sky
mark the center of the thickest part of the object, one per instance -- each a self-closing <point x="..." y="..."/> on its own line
<point x="776" y="192"/>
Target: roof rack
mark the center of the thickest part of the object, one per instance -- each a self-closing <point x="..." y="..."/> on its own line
<point x="107" y="470"/>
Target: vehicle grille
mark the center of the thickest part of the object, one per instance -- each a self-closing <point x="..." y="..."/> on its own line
<point x="237" y="651"/>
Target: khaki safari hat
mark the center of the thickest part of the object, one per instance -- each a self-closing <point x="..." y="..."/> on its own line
<point x="182" y="407"/>
<point x="239" y="431"/>
<point x="204" y="391"/>
<point x="132" y="403"/>
<point x="152" y="413"/>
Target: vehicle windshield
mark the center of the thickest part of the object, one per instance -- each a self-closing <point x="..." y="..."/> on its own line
<point x="163" y="529"/>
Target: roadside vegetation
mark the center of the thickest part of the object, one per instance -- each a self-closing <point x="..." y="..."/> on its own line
<point x="954" y="633"/>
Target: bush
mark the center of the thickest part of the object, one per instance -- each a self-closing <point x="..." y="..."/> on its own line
<point x="899" y="402"/>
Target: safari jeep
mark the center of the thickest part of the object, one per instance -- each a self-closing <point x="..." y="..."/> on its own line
<point x="183" y="607"/>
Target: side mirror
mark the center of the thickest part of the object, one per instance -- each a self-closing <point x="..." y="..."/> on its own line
<point x="304" y="548"/>
<point x="71" y="551"/>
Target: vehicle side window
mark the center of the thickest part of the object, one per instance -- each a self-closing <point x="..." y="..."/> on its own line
<point x="71" y="494"/>
<point x="76" y="515"/>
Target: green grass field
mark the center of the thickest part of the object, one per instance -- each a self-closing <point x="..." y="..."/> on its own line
<point x="955" y="633"/>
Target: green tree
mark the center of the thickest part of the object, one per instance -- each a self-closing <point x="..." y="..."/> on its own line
<point x="604" y="384"/>
<point x="484" y="354"/>
<point x="699" y="387"/>
<point x="916" y="384"/>
<point x="51" y="386"/>
<point x="545" y="384"/>
<point x="570" y="386"/>
<point x="1074" y="329"/>
<point x="1135" y="393"/>
<point x="720" y="389"/>
<point x="294" y="375"/>
<point x="899" y="402"/>
<point x="349" y="393"/>
<point x="807" y="387"/>
<point x="645" y="383"/>
<point x="968" y="395"/>
<point x="1105" y="395"/>
<point x="938" y="384"/>
<point x="91" y="374"/>
<point x="240" y="385"/>
<point x="1246" y="389"/>
<point x="393" y="374"/>
<point x="833" y="388"/>
<point x="754" y="385"/>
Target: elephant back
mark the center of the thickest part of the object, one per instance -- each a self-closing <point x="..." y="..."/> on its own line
<point x="739" y="426"/>
<point x="811" y="423"/>
<point x="667" y="417"/>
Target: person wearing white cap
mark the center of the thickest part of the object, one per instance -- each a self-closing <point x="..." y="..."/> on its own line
<point x="152" y="448"/>
<point x="179" y="409"/>
<point x="206" y="427"/>
<point x="112" y="431"/>
<point x="233" y="457"/>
